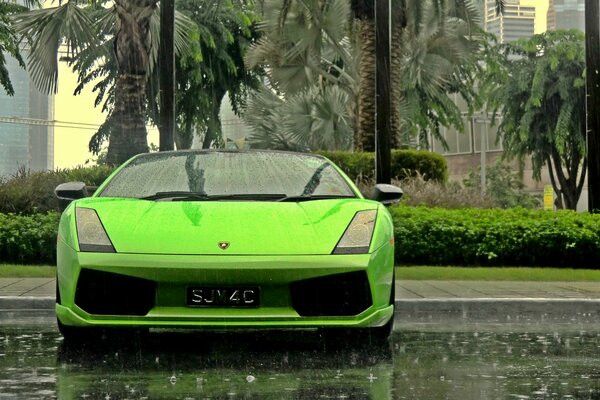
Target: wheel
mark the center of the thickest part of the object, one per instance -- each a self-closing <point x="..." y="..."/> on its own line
<point x="376" y="336"/>
<point x="381" y="334"/>
<point x="69" y="333"/>
<point x="73" y="333"/>
<point x="77" y="334"/>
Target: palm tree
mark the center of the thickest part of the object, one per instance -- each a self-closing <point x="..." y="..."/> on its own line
<point x="124" y="35"/>
<point x="440" y="55"/>
<point x="364" y="134"/>
<point x="404" y="12"/>
<point x="132" y="50"/>
<point x="433" y="45"/>
<point x="227" y="28"/>
<point x="311" y="77"/>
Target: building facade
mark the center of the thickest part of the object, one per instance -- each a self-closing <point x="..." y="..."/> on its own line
<point x="516" y="22"/>
<point x="566" y="14"/>
<point x="26" y="127"/>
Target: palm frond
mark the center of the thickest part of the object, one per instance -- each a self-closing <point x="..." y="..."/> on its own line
<point x="9" y="42"/>
<point x="46" y="30"/>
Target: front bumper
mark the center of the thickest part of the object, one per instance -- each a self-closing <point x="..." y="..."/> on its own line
<point x="171" y="274"/>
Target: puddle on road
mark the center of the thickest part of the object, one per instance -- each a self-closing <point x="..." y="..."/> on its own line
<point x="35" y="364"/>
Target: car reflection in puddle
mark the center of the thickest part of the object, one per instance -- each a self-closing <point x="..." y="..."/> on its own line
<point x="35" y="364"/>
<point x="224" y="365"/>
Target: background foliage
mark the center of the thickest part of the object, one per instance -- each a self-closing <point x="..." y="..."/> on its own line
<point x="28" y="239"/>
<point x="405" y="163"/>
<point x="504" y="185"/>
<point x="540" y="94"/>
<point x="29" y="192"/>
<point x="514" y="237"/>
<point x="9" y="42"/>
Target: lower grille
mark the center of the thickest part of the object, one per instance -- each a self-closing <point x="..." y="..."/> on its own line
<point x="333" y="295"/>
<point x="114" y="294"/>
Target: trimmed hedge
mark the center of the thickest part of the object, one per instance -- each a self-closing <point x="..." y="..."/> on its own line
<point x="33" y="192"/>
<point x="424" y="236"/>
<point x="28" y="239"/>
<point x="405" y="163"/>
<point x="514" y="237"/>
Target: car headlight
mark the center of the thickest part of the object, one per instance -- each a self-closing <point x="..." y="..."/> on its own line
<point x="357" y="237"/>
<point x="90" y="232"/>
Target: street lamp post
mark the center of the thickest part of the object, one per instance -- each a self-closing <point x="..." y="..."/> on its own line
<point x="592" y="51"/>
<point x="383" y="103"/>
<point x="167" y="75"/>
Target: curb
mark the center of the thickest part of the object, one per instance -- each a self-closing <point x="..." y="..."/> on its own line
<point x="11" y="303"/>
<point x="498" y="310"/>
<point x="432" y="310"/>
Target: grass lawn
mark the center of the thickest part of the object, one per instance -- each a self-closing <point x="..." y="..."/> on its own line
<point x="27" y="271"/>
<point x="497" y="274"/>
<point x="408" y="273"/>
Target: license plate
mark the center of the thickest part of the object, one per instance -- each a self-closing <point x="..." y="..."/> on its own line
<point x="223" y="296"/>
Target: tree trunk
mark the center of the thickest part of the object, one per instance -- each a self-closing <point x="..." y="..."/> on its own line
<point x="398" y="28"/>
<point x="396" y="73"/>
<point x="364" y="137"/>
<point x="566" y="186"/>
<point x="185" y="137"/>
<point x="213" y="127"/>
<point x="132" y="48"/>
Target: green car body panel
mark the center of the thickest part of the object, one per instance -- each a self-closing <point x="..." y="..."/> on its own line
<point x="175" y="244"/>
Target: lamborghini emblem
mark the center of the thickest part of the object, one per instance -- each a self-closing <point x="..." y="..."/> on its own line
<point x="223" y="245"/>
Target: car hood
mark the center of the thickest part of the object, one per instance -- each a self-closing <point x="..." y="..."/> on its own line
<point x="249" y="228"/>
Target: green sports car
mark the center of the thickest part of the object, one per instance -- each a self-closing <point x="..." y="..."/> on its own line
<point x="225" y="239"/>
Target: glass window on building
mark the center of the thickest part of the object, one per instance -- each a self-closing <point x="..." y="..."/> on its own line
<point x="483" y="127"/>
<point x="458" y="142"/>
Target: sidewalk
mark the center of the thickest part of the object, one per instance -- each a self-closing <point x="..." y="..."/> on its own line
<point x="416" y="301"/>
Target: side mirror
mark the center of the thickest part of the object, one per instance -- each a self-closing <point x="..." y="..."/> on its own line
<point x="67" y="192"/>
<point x="386" y="194"/>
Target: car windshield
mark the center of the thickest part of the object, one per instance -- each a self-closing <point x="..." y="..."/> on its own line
<point x="213" y="175"/>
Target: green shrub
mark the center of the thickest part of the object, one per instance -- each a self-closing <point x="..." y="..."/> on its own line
<point x="33" y="192"/>
<point x="405" y="163"/>
<point x="515" y="237"/>
<point x="28" y="239"/>
<point x="92" y="176"/>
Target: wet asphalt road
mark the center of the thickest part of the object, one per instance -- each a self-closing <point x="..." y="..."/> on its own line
<point x="35" y="363"/>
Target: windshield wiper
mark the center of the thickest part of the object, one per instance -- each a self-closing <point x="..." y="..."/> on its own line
<point x="180" y="195"/>
<point x="194" y="196"/>
<point x="304" y="197"/>
<point x="315" y="180"/>
<point x="247" y="196"/>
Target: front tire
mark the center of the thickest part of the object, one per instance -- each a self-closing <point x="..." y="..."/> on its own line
<point x="376" y="336"/>
<point x="381" y="334"/>
<point x="73" y="333"/>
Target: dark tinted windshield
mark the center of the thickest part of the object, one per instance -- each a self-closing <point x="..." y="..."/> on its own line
<point x="228" y="173"/>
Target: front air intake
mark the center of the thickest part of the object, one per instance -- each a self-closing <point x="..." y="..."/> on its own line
<point x="106" y="293"/>
<point x="333" y="295"/>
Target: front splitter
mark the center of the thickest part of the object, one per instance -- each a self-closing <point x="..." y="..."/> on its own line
<point x="370" y="318"/>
